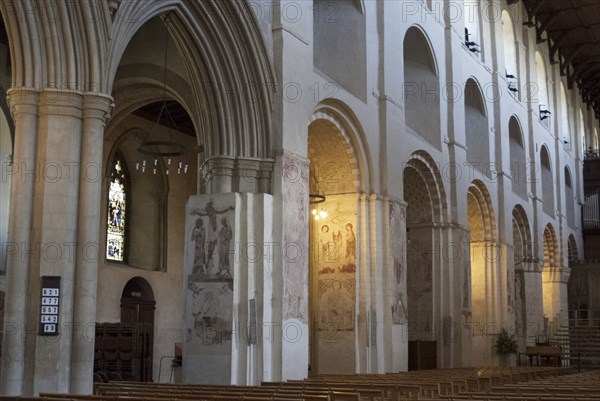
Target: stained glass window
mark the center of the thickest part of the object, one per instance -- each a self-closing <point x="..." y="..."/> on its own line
<point x="117" y="211"/>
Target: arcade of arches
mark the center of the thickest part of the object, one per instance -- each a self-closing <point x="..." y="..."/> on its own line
<point x="446" y="207"/>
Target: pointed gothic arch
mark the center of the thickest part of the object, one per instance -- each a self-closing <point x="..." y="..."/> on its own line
<point x="222" y="65"/>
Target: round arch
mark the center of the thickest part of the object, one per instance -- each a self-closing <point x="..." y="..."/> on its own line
<point x="340" y="116"/>
<point x="481" y="213"/>
<point x="426" y="210"/>
<point x="551" y="256"/>
<point x="423" y="164"/>
<point x="340" y="170"/>
<point x="519" y="169"/>
<point x="572" y="249"/>
<point x="421" y="73"/>
<point x="483" y="268"/>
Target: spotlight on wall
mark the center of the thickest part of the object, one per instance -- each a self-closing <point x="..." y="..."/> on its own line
<point x="544" y="114"/>
<point x="471" y="45"/>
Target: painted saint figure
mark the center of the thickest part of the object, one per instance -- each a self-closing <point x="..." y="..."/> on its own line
<point x="350" y="245"/>
<point x="212" y="236"/>
<point x="199" y="237"/>
<point x="225" y="236"/>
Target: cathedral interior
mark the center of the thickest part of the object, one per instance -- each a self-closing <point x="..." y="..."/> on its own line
<point x="237" y="191"/>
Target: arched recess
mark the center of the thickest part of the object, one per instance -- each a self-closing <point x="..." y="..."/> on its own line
<point x="335" y="44"/>
<point x="551" y="275"/>
<point x="231" y="109"/>
<point x="518" y="160"/>
<point x="565" y="126"/>
<point x="338" y="170"/>
<point x="510" y="52"/>
<point x="476" y="126"/>
<point x="522" y="254"/>
<point x="426" y="208"/>
<point x="421" y="87"/>
<point x="484" y="258"/>
<point x="547" y="181"/>
<point x="569" y="197"/>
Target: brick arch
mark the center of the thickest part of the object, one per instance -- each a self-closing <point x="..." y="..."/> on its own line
<point x="550" y="248"/>
<point x="482" y="221"/>
<point x="351" y="141"/>
<point x="572" y="249"/>
<point x="522" y="233"/>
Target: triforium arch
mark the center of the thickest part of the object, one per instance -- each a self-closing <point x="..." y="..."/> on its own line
<point x="338" y="173"/>
<point x="421" y="86"/>
<point x="518" y="167"/>
<point x="518" y="299"/>
<point x="228" y="80"/>
<point x="476" y="126"/>
<point x="485" y="270"/>
<point x="426" y="215"/>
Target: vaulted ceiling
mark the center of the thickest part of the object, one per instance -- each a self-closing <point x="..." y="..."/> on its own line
<point x="572" y="29"/>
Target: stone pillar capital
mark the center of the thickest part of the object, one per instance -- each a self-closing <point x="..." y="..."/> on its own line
<point x="23" y="100"/>
<point x="237" y="174"/>
<point x="98" y="106"/>
<point x="60" y="102"/>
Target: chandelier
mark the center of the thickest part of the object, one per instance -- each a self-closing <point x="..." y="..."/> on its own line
<point x="154" y="152"/>
<point x="318" y="213"/>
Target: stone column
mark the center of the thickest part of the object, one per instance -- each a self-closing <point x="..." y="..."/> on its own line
<point x="55" y="226"/>
<point x="96" y="110"/>
<point x="24" y="107"/>
<point x="556" y="302"/>
<point x="292" y="172"/>
<point x="231" y="294"/>
<point x="534" y="300"/>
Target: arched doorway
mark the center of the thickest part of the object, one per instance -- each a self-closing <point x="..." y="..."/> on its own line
<point x="137" y="310"/>
<point x="334" y="237"/>
<point x="425" y="198"/>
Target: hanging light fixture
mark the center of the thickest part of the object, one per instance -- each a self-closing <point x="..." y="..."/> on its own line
<point x="170" y="153"/>
<point x="318" y="213"/>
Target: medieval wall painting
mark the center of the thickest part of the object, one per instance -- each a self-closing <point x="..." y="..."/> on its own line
<point x="295" y="219"/>
<point x="209" y="271"/>
<point x="398" y="239"/>
<point x="334" y="260"/>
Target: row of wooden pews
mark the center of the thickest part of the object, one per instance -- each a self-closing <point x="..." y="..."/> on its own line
<point x="479" y="384"/>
